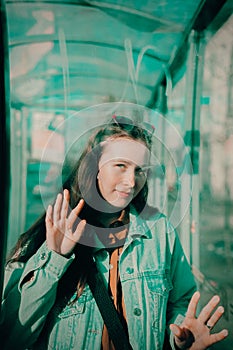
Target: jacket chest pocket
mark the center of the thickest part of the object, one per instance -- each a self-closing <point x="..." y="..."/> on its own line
<point x="72" y="309"/>
<point x="158" y="282"/>
<point x="73" y="306"/>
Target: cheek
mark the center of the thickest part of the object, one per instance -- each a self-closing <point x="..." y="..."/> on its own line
<point x="107" y="176"/>
<point x="103" y="180"/>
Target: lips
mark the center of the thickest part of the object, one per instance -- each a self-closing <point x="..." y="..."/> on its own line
<point x="125" y="194"/>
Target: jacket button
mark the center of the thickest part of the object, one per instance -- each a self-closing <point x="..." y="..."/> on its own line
<point x="43" y="256"/>
<point x="137" y="311"/>
<point x="129" y="270"/>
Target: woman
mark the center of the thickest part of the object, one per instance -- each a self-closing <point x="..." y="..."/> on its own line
<point x="101" y="219"/>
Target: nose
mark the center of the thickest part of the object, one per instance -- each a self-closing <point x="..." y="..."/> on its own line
<point x="129" y="178"/>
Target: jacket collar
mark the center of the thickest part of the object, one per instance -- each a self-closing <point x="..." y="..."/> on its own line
<point x="138" y="228"/>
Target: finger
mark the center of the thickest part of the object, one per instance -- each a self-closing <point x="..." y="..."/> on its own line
<point x="75" y="212"/>
<point x="183" y="336"/>
<point x="48" y="218"/>
<point x="216" y="337"/>
<point x="65" y="204"/>
<point x="192" y="308"/>
<point x="215" y="317"/>
<point x="49" y="226"/>
<point x="57" y="208"/>
<point x="177" y="331"/>
<point x="79" y="231"/>
<point x="208" y="309"/>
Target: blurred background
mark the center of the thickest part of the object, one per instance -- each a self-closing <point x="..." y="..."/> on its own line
<point x="172" y="57"/>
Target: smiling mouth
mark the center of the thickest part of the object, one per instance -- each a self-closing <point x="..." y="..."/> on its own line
<point x="124" y="194"/>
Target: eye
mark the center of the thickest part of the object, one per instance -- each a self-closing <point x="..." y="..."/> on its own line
<point x="120" y="165"/>
<point x="140" y="172"/>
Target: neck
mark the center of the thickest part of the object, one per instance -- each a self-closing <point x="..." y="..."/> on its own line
<point x="103" y="219"/>
<point x="107" y="218"/>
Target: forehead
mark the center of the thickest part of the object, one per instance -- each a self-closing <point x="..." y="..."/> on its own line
<point x="125" y="149"/>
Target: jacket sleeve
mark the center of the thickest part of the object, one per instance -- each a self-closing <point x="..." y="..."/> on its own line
<point x="29" y="294"/>
<point x="183" y="285"/>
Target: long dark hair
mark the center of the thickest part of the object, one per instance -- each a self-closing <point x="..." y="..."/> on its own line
<point x="82" y="178"/>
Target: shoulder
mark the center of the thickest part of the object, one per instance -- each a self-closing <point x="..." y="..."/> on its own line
<point x="156" y="221"/>
<point x="160" y="227"/>
<point x="153" y="215"/>
<point x="148" y="212"/>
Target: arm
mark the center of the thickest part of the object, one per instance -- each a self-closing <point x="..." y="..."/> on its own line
<point x="183" y="283"/>
<point x="29" y="293"/>
<point x="30" y="290"/>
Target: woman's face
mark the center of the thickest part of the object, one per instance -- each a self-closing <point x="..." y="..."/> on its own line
<point x="122" y="170"/>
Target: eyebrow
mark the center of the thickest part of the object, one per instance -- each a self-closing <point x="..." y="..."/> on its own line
<point x="121" y="160"/>
<point x="143" y="166"/>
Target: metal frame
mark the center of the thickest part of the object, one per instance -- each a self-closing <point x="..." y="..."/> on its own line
<point x="4" y="139"/>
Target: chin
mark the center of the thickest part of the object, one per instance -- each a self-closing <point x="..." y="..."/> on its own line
<point x="120" y="204"/>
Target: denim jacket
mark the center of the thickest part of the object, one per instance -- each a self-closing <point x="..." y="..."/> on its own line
<point x="157" y="285"/>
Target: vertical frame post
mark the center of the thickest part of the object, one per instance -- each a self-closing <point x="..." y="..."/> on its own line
<point x="4" y="139"/>
<point x="190" y="225"/>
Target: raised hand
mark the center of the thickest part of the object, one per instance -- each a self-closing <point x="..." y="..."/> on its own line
<point x="194" y="332"/>
<point x="61" y="236"/>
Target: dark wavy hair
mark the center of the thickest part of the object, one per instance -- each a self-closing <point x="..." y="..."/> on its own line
<point x="81" y="183"/>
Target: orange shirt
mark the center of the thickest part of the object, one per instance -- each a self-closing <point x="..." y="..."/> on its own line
<point x="115" y="289"/>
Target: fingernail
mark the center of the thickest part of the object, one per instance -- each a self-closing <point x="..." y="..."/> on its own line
<point x="174" y="331"/>
<point x="221" y="309"/>
<point x="225" y="332"/>
<point x="216" y="298"/>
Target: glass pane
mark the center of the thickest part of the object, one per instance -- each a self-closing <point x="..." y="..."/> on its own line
<point x="216" y="172"/>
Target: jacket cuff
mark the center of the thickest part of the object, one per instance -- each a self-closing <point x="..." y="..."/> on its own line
<point x="54" y="263"/>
